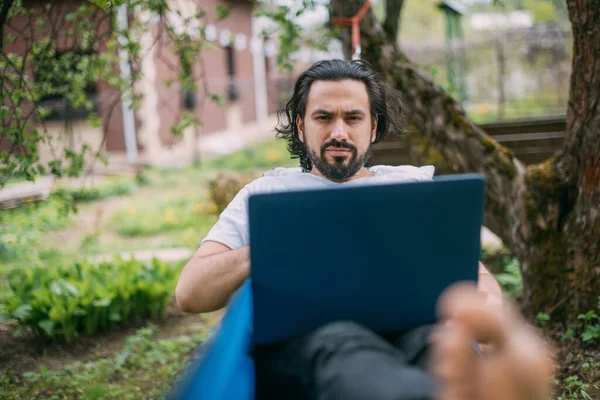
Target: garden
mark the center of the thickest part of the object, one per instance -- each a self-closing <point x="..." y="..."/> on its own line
<point x="87" y="279"/>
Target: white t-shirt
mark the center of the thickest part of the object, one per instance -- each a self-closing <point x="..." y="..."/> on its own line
<point x="232" y="228"/>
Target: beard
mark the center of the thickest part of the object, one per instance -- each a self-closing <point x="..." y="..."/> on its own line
<point x="342" y="167"/>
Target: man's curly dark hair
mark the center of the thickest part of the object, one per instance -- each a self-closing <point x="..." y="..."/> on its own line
<point x="384" y="104"/>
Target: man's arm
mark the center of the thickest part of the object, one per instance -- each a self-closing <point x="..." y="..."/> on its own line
<point x="488" y="284"/>
<point x="209" y="279"/>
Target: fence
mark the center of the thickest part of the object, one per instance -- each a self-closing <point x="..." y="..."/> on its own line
<point x="508" y="74"/>
<point x="532" y="141"/>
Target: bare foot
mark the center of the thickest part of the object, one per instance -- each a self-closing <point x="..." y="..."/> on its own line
<point x="517" y="362"/>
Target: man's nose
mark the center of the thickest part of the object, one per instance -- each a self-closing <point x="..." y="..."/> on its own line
<point x="339" y="131"/>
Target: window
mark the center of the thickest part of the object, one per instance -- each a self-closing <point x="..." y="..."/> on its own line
<point x="54" y="73"/>
<point x="232" y="91"/>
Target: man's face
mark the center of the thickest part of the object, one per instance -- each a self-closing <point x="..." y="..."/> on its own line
<point x="337" y="129"/>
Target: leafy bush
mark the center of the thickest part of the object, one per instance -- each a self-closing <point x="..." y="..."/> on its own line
<point x="65" y="301"/>
<point x="225" y="186"/>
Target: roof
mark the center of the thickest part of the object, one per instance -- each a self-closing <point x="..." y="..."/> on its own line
<point x="453" y="6"/>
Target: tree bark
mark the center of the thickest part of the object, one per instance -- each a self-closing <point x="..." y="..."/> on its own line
<point x="393" y="8"/>
<point x="547" y="214"/>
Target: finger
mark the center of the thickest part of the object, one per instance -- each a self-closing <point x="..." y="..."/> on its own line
<point x="462" y="304"/>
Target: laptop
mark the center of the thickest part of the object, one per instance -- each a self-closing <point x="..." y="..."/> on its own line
<point x="379" y="254"/>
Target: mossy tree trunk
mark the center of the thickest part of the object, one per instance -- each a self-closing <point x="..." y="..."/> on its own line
<point x="547" y="214"/>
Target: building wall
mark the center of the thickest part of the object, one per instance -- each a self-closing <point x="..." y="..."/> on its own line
<point x="213" y="117"/>
<point x="168" y="99"/>
<point x="108" y="107"/>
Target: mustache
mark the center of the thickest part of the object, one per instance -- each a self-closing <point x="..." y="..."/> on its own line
<point x="338" y="144"/>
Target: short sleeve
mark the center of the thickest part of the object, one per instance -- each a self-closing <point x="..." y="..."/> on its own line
<point x="232" y="227"/>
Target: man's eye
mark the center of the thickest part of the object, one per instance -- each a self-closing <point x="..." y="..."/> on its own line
<point x="322" y="117"/>
<point x="353" y="118"/>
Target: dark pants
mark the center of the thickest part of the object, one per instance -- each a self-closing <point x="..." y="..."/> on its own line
<point x="344" y="360"/>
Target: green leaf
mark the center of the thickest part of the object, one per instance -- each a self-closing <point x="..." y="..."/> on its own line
<point x="543" y="318"/>
<point x="71" y="288"/>
<point x="56" y="289"/>
<point x="23" y="312"/>
<point x="47" y="326"/>
<point x="101" y="303"/>
<point x="568" y="335"/>
<point x="115" y="316"/>
<point x="587" y="336"/>
<point x="79" y="312"/>
<point x="217" y="98"/>
<point x="221" y="12"/>
<point x="58" y="313"/>
<point x="107" y="3"/>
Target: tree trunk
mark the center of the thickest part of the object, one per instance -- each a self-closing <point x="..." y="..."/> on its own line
<point x="547" y="214"/>
<point x="393" y="8"/>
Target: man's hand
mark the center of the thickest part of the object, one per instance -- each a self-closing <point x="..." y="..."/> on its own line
<point x="209" y="279"/>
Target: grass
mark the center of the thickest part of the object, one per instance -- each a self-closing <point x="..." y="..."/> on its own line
<point x="114" y="186"/>
<point x="22" y="229"/>
<point x="264" y="155"/>
<point x="163" y="215"/>
<point x="144" y="368"/>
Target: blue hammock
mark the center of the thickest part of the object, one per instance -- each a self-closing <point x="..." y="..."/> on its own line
<point x="224" y="370"/>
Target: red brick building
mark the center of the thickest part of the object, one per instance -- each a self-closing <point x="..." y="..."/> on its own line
<point x="240" y="68"/>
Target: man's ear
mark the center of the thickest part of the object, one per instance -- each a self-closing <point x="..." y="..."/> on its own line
<point x="300" y="126"/>
<point x="374" y="131"/>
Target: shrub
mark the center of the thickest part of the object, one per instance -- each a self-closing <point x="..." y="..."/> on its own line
<point x="225" y="186"/>
<point x="65" y="301"/>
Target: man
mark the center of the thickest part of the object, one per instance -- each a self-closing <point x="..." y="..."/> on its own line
<point x="338" y="110"/>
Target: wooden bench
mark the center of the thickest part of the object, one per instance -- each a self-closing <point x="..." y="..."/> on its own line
<point x="532" y="141"/>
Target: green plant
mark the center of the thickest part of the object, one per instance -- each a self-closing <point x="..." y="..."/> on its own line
<point x="575" y="389"/>
<point x="543" y="318"/>
<point x="144" y="368"/>
<point x="510" y="280"/>
<point x="591" y="331"/>
<point x="225" y="186"/>
<point x="65" y="301"/>
<point x="568" y="335"/>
